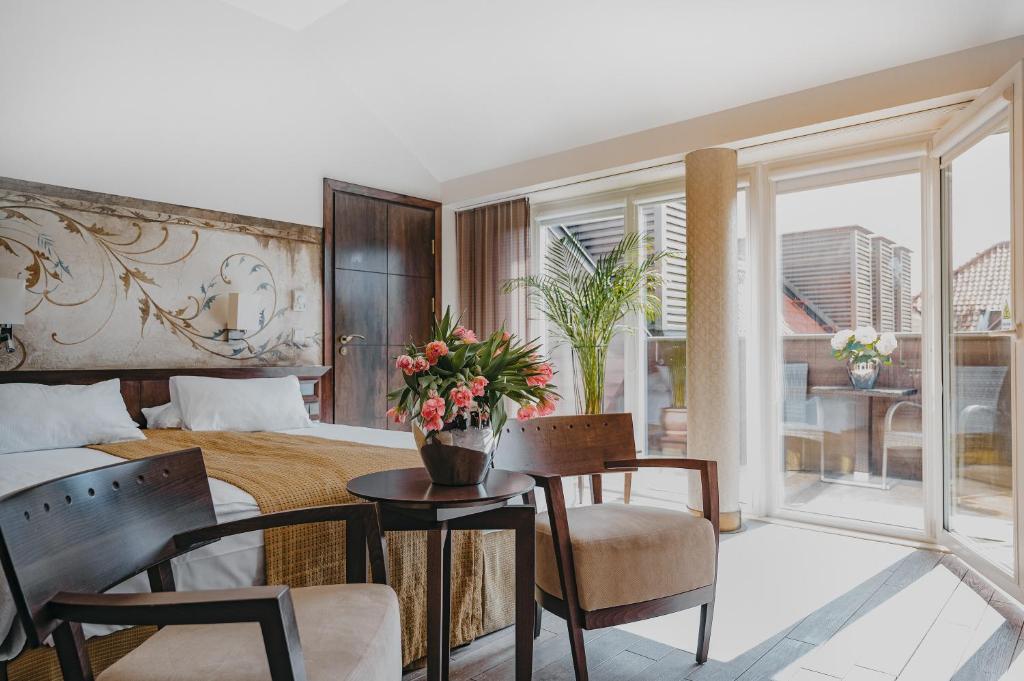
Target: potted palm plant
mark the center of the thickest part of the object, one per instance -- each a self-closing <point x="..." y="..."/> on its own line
<point x="585" y="301"/>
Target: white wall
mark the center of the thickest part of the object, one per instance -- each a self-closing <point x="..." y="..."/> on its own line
<point x="186" y="101"/>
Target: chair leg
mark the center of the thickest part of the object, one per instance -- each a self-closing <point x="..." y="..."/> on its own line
<point x="821" y="454"/>
<point x="538" y="611"/>
<point x="707" y="615"/>
<point x="885" y="465"/>
<point x="579" y="655"/>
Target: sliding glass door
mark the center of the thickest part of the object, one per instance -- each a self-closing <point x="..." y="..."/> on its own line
<point x="979" y="159"/>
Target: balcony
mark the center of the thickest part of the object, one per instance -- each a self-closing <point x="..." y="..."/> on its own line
<point x="835" y="443"/>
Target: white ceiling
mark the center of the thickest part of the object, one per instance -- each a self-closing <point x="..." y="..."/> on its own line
<point x="469" y="85"/>
<point x="293" y="14"/>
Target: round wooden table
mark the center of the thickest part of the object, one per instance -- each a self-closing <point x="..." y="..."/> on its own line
<point x="409" y="501"/>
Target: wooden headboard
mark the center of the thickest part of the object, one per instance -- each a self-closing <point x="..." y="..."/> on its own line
<point x="150" y="387"/>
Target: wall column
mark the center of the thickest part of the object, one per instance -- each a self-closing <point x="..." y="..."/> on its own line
<point x="712" y="339"/>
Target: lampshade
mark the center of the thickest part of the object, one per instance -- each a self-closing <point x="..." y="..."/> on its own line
<point x="241" y="312"/>
<point x="12" y="301"/>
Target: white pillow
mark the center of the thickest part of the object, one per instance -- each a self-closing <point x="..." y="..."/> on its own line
<point x="162" y="416"/>
<point x="240" y="405"/>
<point x="34" y="416"/>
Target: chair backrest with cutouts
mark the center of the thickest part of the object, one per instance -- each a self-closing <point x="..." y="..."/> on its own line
<point x="565" y="445"/>
<point x="89" y="531"/>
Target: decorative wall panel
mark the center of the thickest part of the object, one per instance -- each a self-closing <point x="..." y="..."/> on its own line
<point x="115" y="282"/>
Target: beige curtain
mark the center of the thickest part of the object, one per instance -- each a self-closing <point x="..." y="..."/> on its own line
<point x="493" y="243"/>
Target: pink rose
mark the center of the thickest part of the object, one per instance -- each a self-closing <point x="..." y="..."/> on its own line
<point x="541" y="376"/>
<point x="479" y="383"/>
<point x="433" y="424"/>
<point x="547" y="406"/>
<point x="526" y="412"/>
<point x="465" y="335"/>
<point x="405" y="363"/>
<point x="396" y="415"/>
<point x="432" y="408"/>
<point x="435" y="350"/>
<point x="420" y="364"/>
<point x="461" y="396"/>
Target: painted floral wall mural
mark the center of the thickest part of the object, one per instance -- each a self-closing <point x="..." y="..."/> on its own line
<point x="119" y="282"/>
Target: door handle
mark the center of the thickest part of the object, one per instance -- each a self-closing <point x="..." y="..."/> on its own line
<point x="345" y="339"/>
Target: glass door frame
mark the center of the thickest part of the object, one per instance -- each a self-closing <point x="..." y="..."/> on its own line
<point x="905" y="156"/>
<point x="966" y="128"/>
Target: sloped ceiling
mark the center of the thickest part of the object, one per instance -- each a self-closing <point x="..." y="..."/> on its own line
<point x="293" y="14"/>
<point x="470" y="85"/>
<point x="410" y="93"/>
<point x="192" y="102"/>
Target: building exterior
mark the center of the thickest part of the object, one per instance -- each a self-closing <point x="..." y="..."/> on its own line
<point x="849" y="276"/>
<point x="981" y="291"/>
<point x="903" y="318"/>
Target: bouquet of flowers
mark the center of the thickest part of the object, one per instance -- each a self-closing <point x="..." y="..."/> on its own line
<point x="456" y="381"/>
<point x="863" y="345"/>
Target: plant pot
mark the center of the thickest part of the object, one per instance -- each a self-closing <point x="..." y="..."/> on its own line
<point x="673" y="420"/>
<point x="864" y="374"/>
<point x="456" y="457"/>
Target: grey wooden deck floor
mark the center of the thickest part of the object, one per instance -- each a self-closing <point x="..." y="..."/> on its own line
<point x="799" y="605"/>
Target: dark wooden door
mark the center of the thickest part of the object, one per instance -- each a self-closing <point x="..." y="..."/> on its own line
<point x="380" y="277"/>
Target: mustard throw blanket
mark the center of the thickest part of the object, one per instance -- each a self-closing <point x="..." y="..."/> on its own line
<point x="292" y="471"/>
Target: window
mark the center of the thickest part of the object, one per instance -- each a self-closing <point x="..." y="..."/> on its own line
<point x="597" y="233"/>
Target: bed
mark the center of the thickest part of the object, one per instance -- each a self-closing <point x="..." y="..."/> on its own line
<point x="240" y="561"/>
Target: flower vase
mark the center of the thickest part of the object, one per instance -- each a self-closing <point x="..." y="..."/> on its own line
<point x="864" y="374"/>
<point x="588" y="368"/>
<point x="461" y="456"/>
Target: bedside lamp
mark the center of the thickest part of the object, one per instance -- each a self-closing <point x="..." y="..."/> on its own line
<point x="12" y="310"/>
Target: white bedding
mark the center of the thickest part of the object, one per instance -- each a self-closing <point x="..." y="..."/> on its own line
<point x="231" y="562"/>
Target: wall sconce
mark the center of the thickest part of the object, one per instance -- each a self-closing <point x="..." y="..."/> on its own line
<point x="239" y="316"/>
<point x="12" y="309"/>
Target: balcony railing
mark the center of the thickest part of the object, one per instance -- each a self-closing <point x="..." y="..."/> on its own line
<point x="846" y="417"/>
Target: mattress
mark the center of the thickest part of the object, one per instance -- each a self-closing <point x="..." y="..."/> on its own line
<point x="232" y="562"/>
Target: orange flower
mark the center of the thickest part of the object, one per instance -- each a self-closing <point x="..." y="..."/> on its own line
<point x="435" y="350"/>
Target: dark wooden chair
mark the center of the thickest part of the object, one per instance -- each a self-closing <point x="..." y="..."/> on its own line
<point x="66" y="541"/>
<point x="609" y="564"/>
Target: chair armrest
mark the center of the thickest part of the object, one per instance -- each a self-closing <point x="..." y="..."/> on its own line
<point x="891" y="411"/>
<point x="270" y="606"/>
<point x="708" y="480"/>
<point x="250" y="604"/>
<point x="689" y="464"/>
<point x="363" y="532"/>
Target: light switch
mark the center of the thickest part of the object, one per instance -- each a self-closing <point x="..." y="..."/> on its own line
<point x="299" y="300"/>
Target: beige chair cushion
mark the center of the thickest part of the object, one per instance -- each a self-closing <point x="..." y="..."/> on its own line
<point x="629" y="554"/>
<point x="349" y="632"/>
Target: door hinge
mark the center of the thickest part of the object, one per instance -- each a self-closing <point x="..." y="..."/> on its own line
<point x="432" y="247"/>
<point x="433" y="305"/>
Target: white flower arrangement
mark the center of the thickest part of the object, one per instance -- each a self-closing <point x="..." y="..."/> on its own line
<point x="863" y="345"/>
